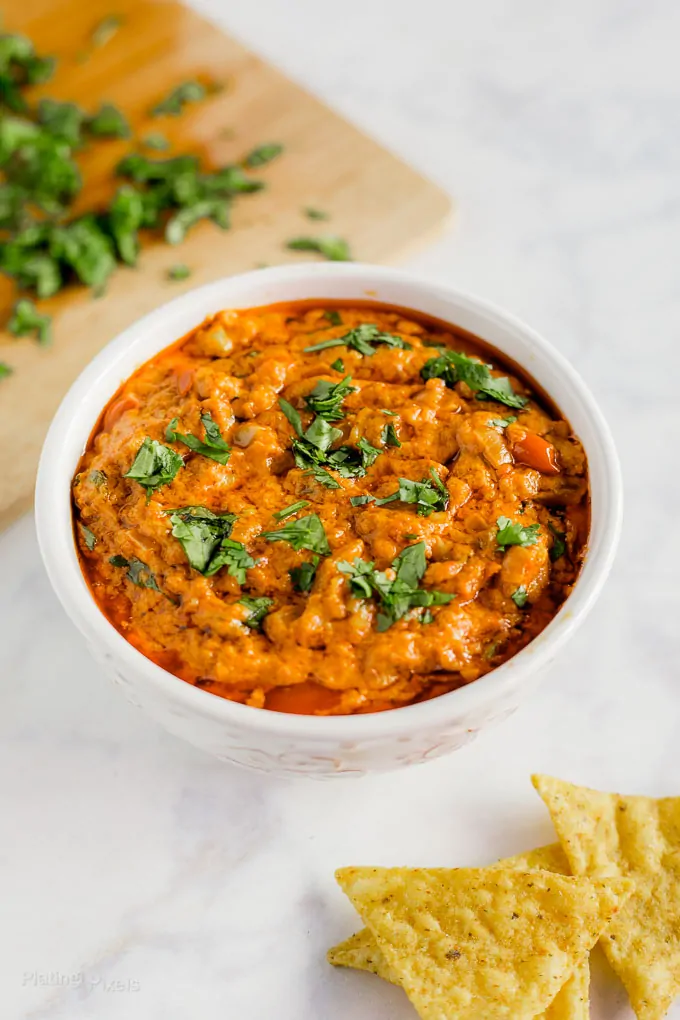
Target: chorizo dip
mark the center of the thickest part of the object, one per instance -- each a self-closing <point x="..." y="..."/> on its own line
<point x="330" y="509"/>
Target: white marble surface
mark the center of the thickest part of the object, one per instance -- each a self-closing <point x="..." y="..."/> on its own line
<point x="141" y="880"/>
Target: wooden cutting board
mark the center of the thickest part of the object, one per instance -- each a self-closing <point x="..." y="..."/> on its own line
<point x="379" y="204"/>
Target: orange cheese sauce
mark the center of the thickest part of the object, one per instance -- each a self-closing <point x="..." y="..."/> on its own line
<point x="321" y="651"/>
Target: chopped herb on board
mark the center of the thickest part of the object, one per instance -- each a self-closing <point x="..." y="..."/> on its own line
<point x="20" y="66"/>
<point x="263" y="154"/>
<point x="453" y="367"/>
<point x="304" y="533"/>
<point x="258" y="609"/>
<point x="315" y="214"/>
<point x="5" y="370"/>
<point x="179" y="271"/>
<point x="302" y="577"/>
<point x="396" y="596"/>
<point x="108" y="122"/>
<point x="514" y="533"/>
<point x="155" y="140"/>
<point x="214" y="446"/>
<point x="362" y="339"/>
<point x="333" y="248"/>
<point x="26" y="320"/>
<point x="175" y="101"/>
<point x="154" y="465"/>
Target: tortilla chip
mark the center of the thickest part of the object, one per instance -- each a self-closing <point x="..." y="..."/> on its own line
<point x="496" y="943"/>
<point x="605" y="834"/>
<point x="361" y="950"/>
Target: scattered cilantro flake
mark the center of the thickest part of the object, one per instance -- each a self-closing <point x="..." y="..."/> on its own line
<point x="175" y="101"/>
<point x="5" y="370"/>
<point x="108" y="122"/>
<point x="426" y="616"/>
<point x="392" y="414"/>
<point x="338" y="365"/>
<point x="333" y="248"/>
<point x="428" y="495"/>
<point x="389" y="435"/>
<point x="179" y="271"/>
<point x="288" y="511"/>
<point x="89" y="538"/>
<point x="303" y="533"/>
<point x="26" y="320"/>
<point x="303" y="576"/>
<point x="137" y="572"/>
<point x="362" y="339"/>
<point x="559" y="546"/>
<point x="259" y="607"/>
<point x="292" y="415"/>
<point x="315" y="214"/>
<point x="154" y="465"/>
<point x="453" y="367"/>
<point x="98" y="478"/>
<point x="333" y="316"/>
<point x="326" y="398"/>
<point x="105" y="30"/>
<point x="263" y="154"/>
<point x="396" y="596"/>
<point x="520" y="597"/>
<point x="514" y="533"/>
<point x="86" y="249"/>
<point x="155" y="140"/>
<point x="323" y="477"/>
<point x="204" y="536"/>
<point x="62" y="120"/>
<point x="214" y="446"/>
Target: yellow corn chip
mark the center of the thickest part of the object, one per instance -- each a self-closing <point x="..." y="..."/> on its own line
<point x="492" y="943"/>
<point x="571" y="1002"/>
<point x="604" y="834"/>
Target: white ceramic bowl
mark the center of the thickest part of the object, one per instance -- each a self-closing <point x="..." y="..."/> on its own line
<point x="292" y="744"/>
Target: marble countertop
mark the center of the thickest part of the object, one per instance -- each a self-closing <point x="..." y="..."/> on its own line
<point x="140" y="879"/>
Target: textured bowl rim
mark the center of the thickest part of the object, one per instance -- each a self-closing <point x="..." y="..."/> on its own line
<point x="61" y="562"/>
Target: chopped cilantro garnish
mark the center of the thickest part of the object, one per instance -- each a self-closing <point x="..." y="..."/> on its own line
<point x="137" y="572"/>
<point x="362" y="339"/>
<point x="154" y="465"/>
<point x="89" y="538"/>
<point x="155" y="140"/>
<point x="520" y="597"/>
<point x="97" y="478"/>
<point x="514" y="533"/>
<point x="303" y="576"/>
<point x="315" y="214"/>
<point x="27" y="320"/>
<point x="392" y="414"/>
<point x="204" y="536"/>
<point x="106" y="29"/>
<point x="428" y="495"/>
<point x="326" y="398"/>
<point x="453" y="367"/>
<point x="338" y="365"/>
<point x="179" y="271"/>
<point x="389" y="435"/>
<point x="5" y="370"/>
<point x="263" y="154"/>
<point x="214" y="446"/>
<point x="258" y="607"/>
<point x="292" y="415"/>
<point x="304" y="533"/>
<point x="502" y="423"/>
<point x="174" y="103"/>
<point x="333" y="317"/>
<point x="108" y="122"/>
<point x="396" y="596"/>
<point x="559" y="546"/>
<point x="288" y="511"/>
<point x="333" y="248"/>
<point x="323" y="477"/>
<point x="62" y="120"/>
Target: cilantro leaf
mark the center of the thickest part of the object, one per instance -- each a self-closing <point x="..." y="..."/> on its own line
<point x="174" y="103"/>
<point x="27" y="320"/>
<point x="333" y="248"/>
<point x="62" y="120"/>
<point x="559" y="546"/>
<point x="428" y="495"/>
<point x="362" y="339"/>
<point x="89" y="537"/>
<point x="263" y="154"/>
<point x="98" y="478"/>
<point x="338" y="365"/>
<point x="453" y="367"/>
<point x="292" y="415"/>
<point x="399" y="595"/>
<point x="125" y="217"/>
<point x="215" y="209"/>
<point x="333" y="316"/>
<point x="83" y="245"/>
<point x="288" y="511"/>
<point x="214" y="447"/>
<point x="326" y="398"/>
<point x="303" y="533"/>
<point x="302" y="577"/>
<point x="204" y="536"/>
<point x="502" y="423"/>
<point x="259" y="607"/>
<point x="155" y="140"/>
<point x="389" y="435"/>
<point x="108" y="122"/>
<point x="154" y="465"/>
<point x="316" y="214"/>
<point x="137" y="572"/>
<point x="323" y="477"/>
<point x="514" y="533"/>
<point x="106" y="29"/>
<point x="179" y="271"/>
<point x="5" y="370"/>
<point x="520" y="597"/>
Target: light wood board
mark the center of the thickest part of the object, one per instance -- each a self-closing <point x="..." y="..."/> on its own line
<point x="377" y="202"/>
